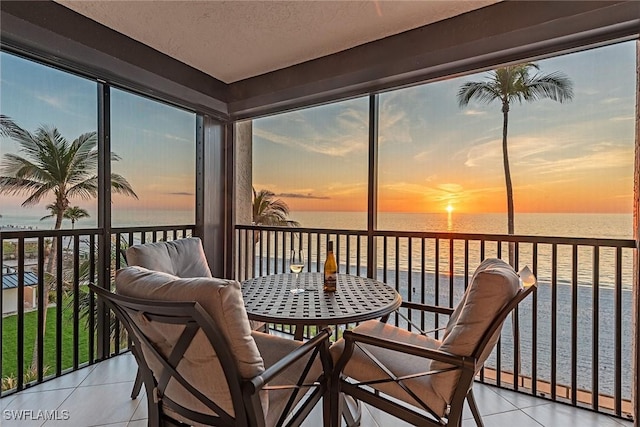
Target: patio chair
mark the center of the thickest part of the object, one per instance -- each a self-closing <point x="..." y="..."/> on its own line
<point x="201" y="363"/>
<point x="183" y="258"/>
<point x="419" y="379"/>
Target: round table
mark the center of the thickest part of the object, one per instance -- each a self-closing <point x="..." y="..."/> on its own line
<point x="269" y="299"/>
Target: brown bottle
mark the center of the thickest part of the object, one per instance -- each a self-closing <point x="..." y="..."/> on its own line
<point x="330" y="270"/>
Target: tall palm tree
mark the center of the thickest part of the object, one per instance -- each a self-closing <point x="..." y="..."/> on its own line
<point x="49" y="165"/>
<point x="507" y="85"/>
<point x="267" y="210"/>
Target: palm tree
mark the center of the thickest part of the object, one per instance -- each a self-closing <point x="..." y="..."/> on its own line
<point x="75" y="213"/>
<point x="509" y="84"/>
<point x="267" y="210"/>
<point x="51" y="165"/>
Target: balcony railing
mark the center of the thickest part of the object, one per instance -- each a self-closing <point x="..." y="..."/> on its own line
<point x="75" y="331"/>
<point x="574" y="343"/>
<point x="574" y="334"/>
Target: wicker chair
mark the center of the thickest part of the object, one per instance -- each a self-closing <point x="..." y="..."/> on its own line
<point x="200" y="362"/>
<point x="419" y="379"/>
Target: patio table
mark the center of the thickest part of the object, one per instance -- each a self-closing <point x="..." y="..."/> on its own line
<point x="269" y="299"/>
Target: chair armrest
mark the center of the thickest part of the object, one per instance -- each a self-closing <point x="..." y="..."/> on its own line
<point x="463" y="362"/>
<point x="423" y="307"/>
<point x="429" y="331"/>
<point x="320" y="341"/>
<point x="426" y="307"/>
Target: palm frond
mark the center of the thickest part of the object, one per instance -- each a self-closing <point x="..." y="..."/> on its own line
<point x="121" y="186"/>
<point x="7" y="126"/>
<point x="37" y="196"/>
<point x="17" y="186"/>
<point x="23" y="137"/>
<point x="85" y="190"/>
<point x="483" y="92"/>
<point x="53" y="211"/>
<point x="515" y="83"/>
<point x="556" y="86"/>
<point x="267" y="210"/>
<point x="17" y="166"/>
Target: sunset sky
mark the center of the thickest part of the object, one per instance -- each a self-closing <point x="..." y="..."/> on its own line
<point x="571" y="157"/>
<point x="156" y="142"/>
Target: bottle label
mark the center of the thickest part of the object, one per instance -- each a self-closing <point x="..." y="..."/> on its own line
<point x="330" y="282"/>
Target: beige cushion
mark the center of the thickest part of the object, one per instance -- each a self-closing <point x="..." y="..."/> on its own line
<point x="182" y="257"/>
<point x="493" y="286"/>
<point x="360" y="366"/>
<point x="274" y="348"/>
<point x="222" y="300"/>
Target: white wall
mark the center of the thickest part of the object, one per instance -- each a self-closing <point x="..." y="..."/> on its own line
<point x="9" y="300"/>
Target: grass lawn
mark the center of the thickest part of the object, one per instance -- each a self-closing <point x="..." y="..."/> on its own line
<point x="9" y="249"/>
<point x="10" y="341"/>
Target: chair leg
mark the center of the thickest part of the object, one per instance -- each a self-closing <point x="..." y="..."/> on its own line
<point x="335" y="403"/>
<point x="326" y="407"/>
<point x="352" y="413"/>
<point x="137" y="385"/>
<point x="474" y="408"/>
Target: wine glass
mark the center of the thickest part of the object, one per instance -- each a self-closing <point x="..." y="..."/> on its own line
<point x="296" y="265"/>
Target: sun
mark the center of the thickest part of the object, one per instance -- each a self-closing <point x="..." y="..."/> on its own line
<point x="449" y="208"/>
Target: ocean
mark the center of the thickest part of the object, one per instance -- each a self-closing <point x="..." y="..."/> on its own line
<point x="24" y="218"/>
<point x="607" y="226"/>
<point x="611" y="226"/>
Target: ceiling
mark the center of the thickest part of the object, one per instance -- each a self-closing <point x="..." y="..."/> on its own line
<point x="236" y="40"/>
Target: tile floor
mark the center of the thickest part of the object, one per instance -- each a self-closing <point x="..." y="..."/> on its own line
<point x="99" y="396"/>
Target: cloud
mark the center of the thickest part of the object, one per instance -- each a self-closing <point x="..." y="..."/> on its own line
<point x="54" y="101"/>
<point x="158" y="135"/>
<point x="598" y="157"/>
<point x="522" y="150"/>
<point x="544" y="156"/>
<point x="176" y="138"/>
<point x="450" y="188"/>
<point x="274" y="137"/>
<point x="180" y="193"/>
<point x="448" y="192"/>
<point x="589" y="91"/>
<point x="302" y="196"/>
<point x="395" y="124"/>
<point x="424" y="155"/>
<point x="349" y="136"/>
<point x="621" y="118"/>
<point x="482" y="154"/>
<point x="471" y="112"/>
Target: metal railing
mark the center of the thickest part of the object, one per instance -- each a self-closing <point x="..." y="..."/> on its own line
<point x="66" y="331"/>
<point x="574" y="333"/>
